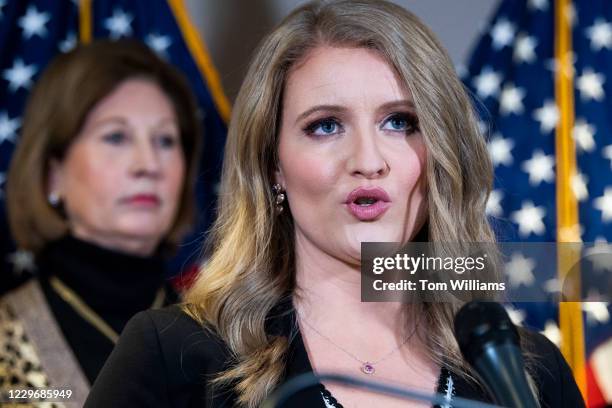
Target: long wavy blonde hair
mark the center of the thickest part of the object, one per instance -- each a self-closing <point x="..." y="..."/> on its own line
<point x="251" y="264"/>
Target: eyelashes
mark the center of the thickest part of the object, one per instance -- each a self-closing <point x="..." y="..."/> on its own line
<point x="322" y="127"/>
<point x="402" y="122"/>
<point x="398" y="122"/>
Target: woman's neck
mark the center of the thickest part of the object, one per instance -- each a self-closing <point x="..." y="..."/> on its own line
<point x="329" y="289"/>
<point x="106" y="280"/>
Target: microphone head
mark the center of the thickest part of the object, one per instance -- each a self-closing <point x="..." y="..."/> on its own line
<point x="482" y="324"/>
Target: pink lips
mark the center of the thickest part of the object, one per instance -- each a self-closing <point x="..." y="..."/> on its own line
<point x="357" y="203"/>
<point x="143" y="200"/>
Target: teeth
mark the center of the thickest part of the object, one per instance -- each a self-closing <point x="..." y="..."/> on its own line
<point x="365" y="201"/>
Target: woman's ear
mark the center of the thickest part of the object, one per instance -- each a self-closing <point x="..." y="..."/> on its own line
<point x="279" y="178"/>
<point x="55" y="178"/>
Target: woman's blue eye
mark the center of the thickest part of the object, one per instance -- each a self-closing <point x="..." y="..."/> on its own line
<point x="114" y="138"/>
<point x="324" y="127"/>
<point x="401" y="123"/>
<point x="167" y="141"/>
<point x="398" y="123"/>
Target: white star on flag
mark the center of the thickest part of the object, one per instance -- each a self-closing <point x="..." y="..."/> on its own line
<point x="571" y="233"/>
<point x="590" y="85"/>
<point x="487" y="83"/>
<point x="520" y="270"/>
<point x="552" y="332"/>
<point x="594" y="295"/>
<point x="541" y="5"/>
<point x="500" y="150"/>
<point x="33" y="23"/>
<point x="524" y="48"/>
<point x="119" y="24"/>
<point x="511" y="100"/>
<point x="599" y="255"/>
<point x="548" y="116"/>
<point x="565" y="64"/>
<point x="516" y="315"/>
<point x="584" y="134"/>
<point x="68" y="43"/>
<point x="570" y="13"/>
<point x="578" y="183"/>
<point x="596" y="312"/>
<point x="600" y="34"/>
<point x="552" y="286"/>
<point x="22" y="261"/>
<point x="494" y="207"/>
<point x="604" y="204"/>
<point x="502" y="33"/>
<point x="529" y="219"/>
<point x="539" y="168"/>
<point x="8" y="127"/>
<point x="607" y="154"/>
<point x="159" y="43"/>
<point x="19" y="75"/>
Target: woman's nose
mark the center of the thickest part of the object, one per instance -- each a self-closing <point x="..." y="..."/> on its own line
<point x="366" y="159"/>
<point x="146" y="160"/>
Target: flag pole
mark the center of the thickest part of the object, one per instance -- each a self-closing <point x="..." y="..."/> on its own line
<point x="85" y="21"/>
<point x="568" y="227"/>
<point x="200" y="55"/>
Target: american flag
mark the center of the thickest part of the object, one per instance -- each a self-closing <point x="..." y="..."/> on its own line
<point x="512" y="75"/>
<point x="32" y="32"/>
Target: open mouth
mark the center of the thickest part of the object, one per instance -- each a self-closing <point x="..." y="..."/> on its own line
<point x="368" y="203"/>
<point x="365" y="201"/>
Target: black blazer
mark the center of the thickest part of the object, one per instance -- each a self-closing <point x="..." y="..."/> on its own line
<point x="164" y="359"/>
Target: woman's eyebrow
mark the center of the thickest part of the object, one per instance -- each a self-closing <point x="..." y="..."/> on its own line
<point x="318" y="108"/>
<point x="166" y="121"/>
<point x="96" y="123"/>
<point x="403" y="104"/>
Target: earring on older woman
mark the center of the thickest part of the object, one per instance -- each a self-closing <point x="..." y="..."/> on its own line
<point x="53" y="198"/>
<point x="279" y="197"/>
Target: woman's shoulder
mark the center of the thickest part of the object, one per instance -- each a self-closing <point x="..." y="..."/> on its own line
<point x="188" y="348"/>
<point x="170" y="320"/>
<point x="163" y="358"/>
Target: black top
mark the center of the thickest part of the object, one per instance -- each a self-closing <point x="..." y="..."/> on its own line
<point x="115" y="285"/>
<point x="164" y="359"/>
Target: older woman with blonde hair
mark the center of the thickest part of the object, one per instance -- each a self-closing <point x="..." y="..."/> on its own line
<point x="101" y="190"/>
<point x="351" y="126"/>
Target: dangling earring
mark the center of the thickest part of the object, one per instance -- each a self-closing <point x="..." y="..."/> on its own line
<point x="279" y="197"/>
<point x="53" y="198"/>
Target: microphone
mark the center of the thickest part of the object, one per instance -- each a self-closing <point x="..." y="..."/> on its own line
<point x="307" y="380"/>
<point x="489" y="341"/>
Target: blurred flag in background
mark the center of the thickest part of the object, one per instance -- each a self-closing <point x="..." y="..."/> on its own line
<point x="32" y="32"/>
<point x="539" y="75"/>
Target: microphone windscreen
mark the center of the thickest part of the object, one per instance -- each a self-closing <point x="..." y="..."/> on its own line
<point x="479" y="324"/>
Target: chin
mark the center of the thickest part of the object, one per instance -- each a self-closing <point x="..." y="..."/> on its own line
<point x="144" y="232"/>
<point x="369" y="233"/>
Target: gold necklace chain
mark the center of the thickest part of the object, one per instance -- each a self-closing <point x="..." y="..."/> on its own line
<point x="367" y="367"/>
<point x="87" y="313"/>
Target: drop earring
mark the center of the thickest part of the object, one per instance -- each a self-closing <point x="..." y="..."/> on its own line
<point x="279" y="197"/>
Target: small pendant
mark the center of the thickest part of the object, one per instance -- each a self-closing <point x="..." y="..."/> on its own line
<point x="368" y="368"/>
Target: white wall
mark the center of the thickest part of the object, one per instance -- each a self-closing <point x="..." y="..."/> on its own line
<point x="233" y="28"/>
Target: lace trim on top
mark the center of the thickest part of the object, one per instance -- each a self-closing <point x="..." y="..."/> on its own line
<point x="328" y="398"/>
<point x="448" y="392"/>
